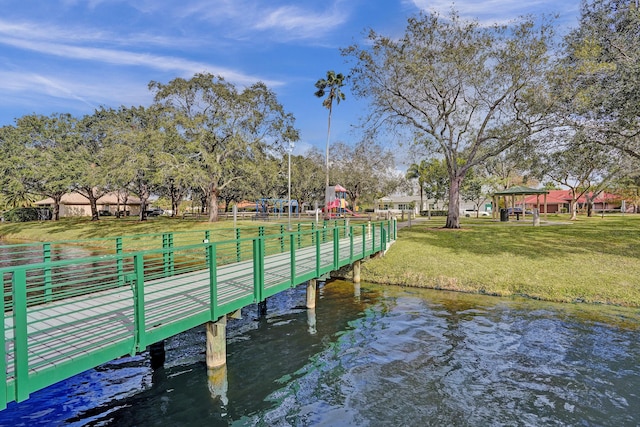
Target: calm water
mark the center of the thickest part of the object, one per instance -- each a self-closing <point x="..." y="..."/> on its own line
<point x="387" y="357"/>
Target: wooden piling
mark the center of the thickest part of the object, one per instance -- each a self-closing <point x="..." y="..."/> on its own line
<point x="216" y="343"/>
<point x="356" y="271"/>
<point x="311" y="293"/>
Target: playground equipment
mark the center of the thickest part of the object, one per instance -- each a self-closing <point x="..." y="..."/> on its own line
<point x="336" y="204"/>
<point x="265" y="206"/>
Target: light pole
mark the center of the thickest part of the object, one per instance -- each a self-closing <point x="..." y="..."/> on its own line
<point x="289" y="190"/>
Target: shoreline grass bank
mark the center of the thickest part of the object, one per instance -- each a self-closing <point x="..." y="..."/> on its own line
<point x="591" y="260"/>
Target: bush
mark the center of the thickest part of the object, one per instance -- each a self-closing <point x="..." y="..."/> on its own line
<point x="27" y="214"/>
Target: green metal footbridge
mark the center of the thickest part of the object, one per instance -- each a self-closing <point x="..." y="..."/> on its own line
<point x="71" y="306"/>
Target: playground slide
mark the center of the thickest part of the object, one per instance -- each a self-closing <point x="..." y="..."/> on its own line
<point x="351" y="212"/>
<point x="347" y="210"/>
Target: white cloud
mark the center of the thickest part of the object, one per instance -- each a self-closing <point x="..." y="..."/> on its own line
<point x="298" y="22"/>
<point x="243" y="18"/>
<point x="82" y="35"/>
<point x="120" y="57"/>
<point x="75" y="87"/>
<point x="496" y="11"/>
<point x="38" y="39"/>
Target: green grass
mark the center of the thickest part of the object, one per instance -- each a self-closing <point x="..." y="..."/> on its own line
<point x="593" y="260"/>
<point x="83" y="228"/>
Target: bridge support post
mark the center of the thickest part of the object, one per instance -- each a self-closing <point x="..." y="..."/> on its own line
<point x="217" y="343"/>
<point x="157" y="353"/>
<point x="262" y="308"/>
<point x="356" y="271"/>
<point x="311" y="293"/>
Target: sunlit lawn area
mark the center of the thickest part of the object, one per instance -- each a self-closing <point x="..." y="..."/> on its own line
<point x="83" y="228"/>
<point x="595" y="260"/>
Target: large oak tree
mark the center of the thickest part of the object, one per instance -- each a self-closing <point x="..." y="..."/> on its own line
<point x="599" y="73"/>
<point x="227" y="130"/>
<point x="467" y="90"/>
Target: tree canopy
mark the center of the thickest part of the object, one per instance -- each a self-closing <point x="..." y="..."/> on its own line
<point x="600" y="73"/>
<point x="365" y="169"/>
<point x="228" y="131"/>
<point x="470" y="91"/>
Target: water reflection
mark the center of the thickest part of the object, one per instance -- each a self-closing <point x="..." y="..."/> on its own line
<point x="388" y="357"/>
<point x="312" y="321"/>
<point x="218" y="384"/>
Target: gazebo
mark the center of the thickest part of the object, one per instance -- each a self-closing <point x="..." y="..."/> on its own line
<point x="518" y="191"/>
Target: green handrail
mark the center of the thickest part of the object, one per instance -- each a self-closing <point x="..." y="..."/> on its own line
<point x="154" y="290"/>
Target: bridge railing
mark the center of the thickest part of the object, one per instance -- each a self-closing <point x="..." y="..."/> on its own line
<point x="64" y="317"/>
<point x="29" y="253"/>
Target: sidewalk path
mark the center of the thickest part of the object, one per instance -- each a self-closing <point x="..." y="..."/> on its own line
<point x="414" y="221"/>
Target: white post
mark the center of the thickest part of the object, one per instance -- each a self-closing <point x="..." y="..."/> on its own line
<point x="235" y="216"/>
<point x="289" y="189"/>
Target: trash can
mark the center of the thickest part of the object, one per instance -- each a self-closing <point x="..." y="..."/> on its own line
<point x="504" y="215"/>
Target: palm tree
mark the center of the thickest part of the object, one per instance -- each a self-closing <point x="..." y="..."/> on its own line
<point x="419" y="172"/>
<point x="330" y="87"/>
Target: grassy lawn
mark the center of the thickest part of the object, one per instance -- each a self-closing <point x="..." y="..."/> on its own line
<point x="594" y="260"/>
<point x="83" y="228"/>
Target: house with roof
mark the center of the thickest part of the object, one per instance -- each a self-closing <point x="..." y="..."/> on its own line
<point x="75" y="204"/>
<point x="396" y="204"/>
<point x="559" y="201"/>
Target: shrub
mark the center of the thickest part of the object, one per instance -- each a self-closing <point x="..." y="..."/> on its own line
<point x="27" y="214"/>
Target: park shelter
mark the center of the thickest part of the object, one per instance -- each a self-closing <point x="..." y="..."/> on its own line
<point x="514" y="194"/>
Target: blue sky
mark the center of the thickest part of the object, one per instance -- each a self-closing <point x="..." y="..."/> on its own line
<point x="72" y="56"/>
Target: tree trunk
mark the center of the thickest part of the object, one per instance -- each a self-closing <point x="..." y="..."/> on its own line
<point x="227" y="203"/>
<point x="143" y="192"/>
<point x="453" y="215"/>
<point x="91" y="195"/>
<point x="56" y="206"/>
<point x="94" y="207"/>
<point x="175" y="196"/>
<point x="421" y="200"/>
<point x="213" y="204"/>
<point x="574" y="210"/>
<point x="143" y="208"/>
<point x="204" y="199"/>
